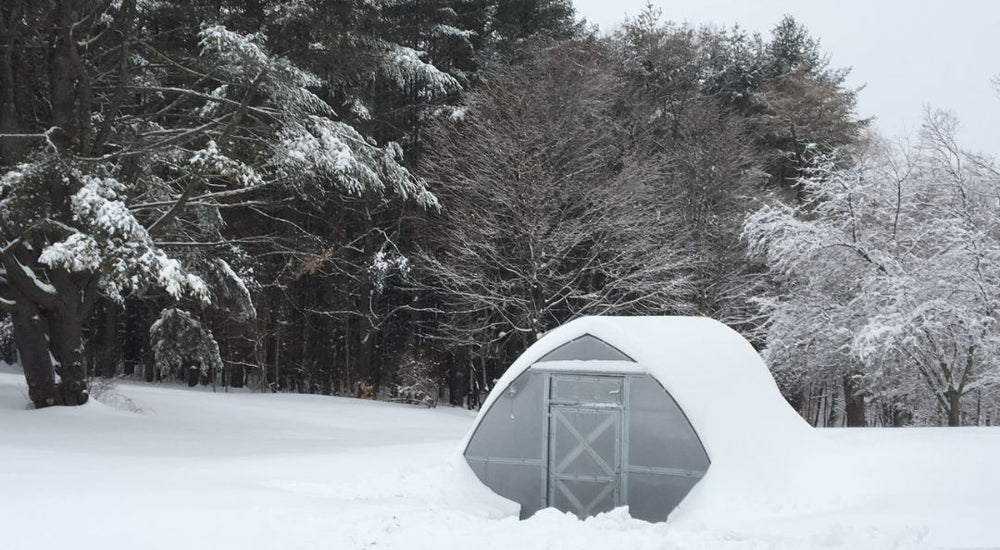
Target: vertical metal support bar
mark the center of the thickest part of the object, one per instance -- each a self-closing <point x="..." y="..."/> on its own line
<point x="616" y="494"/>
<point x="623" y="465"/>
<point x="546" y="442"/>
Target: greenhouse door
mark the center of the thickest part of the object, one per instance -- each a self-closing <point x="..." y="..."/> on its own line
<point x="585" y="443"/>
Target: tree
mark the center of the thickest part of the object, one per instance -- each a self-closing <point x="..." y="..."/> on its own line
<point x="550" y="209"/>
<point x="515" y="22"/>
<point x="123" y="150"/>
<point x="686" y="83"/>
<point x="180" y="342"/>
<point x="795" y="105"/>
<point x="330" y="321"/>
<point x="803" y="109"/>
<point x="891" y="272"/>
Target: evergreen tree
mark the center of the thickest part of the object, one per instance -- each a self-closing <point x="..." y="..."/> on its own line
<point x="127" y="149"/>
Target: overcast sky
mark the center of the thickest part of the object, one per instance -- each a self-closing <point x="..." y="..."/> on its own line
<point x="908" y="54"/>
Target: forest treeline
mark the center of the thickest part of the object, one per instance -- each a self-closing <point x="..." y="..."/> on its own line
<point x="394" y="198"/>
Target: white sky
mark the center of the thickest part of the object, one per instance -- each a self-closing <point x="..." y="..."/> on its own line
<point x="907" y="53"/>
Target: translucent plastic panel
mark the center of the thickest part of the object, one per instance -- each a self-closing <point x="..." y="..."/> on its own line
<point x="579" y="389"/>
<point x="659" y="435"/>
<point x="585" y="348"/>
<point x="513" y="425"/>
<point x="584" y="498"/>
<point x="652" y="497"/>
<point x="521" y="483"/>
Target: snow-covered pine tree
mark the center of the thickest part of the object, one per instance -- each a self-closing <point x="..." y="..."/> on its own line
<point x="124" y="147"/>
<point x="415" y="380"/>
<point x="180" y="342"/>
<point x="325" y="314"/>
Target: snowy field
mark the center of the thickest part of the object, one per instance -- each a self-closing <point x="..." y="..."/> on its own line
<point x="248" y="471"/>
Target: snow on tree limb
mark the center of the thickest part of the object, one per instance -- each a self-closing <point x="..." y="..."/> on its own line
<point x="210" y="161"/>
<point x="404" y="64"/>
<point x="243" y="59"/>
<point x="320" y="150"/>
<point x="892" y="266"/>
<point x="109" y="241"/>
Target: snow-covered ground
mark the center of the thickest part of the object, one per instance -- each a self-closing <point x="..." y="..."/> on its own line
<point x="250" y="471"/>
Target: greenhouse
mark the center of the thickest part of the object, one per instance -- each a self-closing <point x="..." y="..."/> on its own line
<point x="614" y="411"/>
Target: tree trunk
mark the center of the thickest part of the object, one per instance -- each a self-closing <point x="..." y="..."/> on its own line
<point x="10" y="149"/>
<point x="954" y="398"/>
<point x="854" y="403"/>
<point x="107" y="355"/>
<point x="456" y="386"/>
<point x="135" y="337"/>
<point x="364" y="363"/>
<point x="50" y="344"/>
<point x="66" y="336"/>
<point x="31" y="339"/>
<point x="149" y="364"/>
<point x="900" y="417"/>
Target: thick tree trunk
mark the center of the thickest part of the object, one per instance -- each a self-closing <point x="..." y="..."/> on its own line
<point x="954" y="398"/>
<point x="31" y="338"/>
<point x="50" y="344"/>
<point x="66" y="334"/>
<point x="48" y="331"/>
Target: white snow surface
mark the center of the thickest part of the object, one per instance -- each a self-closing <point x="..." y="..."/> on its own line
<point x="252" y="471"/>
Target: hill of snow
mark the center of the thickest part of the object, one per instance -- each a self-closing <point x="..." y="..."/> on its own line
<point x="251" y="471"/>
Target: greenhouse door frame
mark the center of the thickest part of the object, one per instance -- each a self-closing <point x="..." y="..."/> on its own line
<point x="610" y="411"/>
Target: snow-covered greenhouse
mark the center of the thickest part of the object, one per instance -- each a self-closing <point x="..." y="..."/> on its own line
<point x="612" y="411"/>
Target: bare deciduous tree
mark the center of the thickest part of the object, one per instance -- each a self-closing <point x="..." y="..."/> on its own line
<point x="552" y="208"/>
